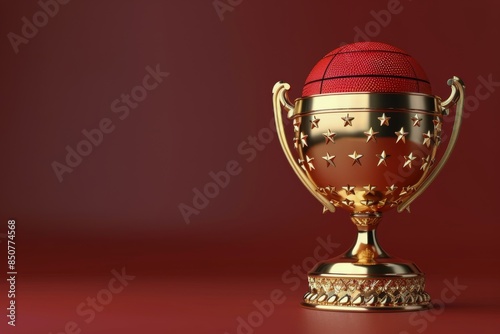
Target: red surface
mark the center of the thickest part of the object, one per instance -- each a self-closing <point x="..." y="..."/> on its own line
<point x="120" y="206"/>
<point x="366" y="67"/>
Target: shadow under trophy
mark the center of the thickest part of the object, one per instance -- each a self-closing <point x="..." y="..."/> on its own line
<point x="366" y="132"/>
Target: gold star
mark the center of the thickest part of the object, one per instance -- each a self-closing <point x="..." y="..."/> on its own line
<point x="321" y="190"/>
<point x="296" y="124"/>
<point x="309" y="162"/>
<point x="314" y="122"/>
<point x="425" y="162"/>
<point x="356" y="158"/>
<point x="348" y="202"/>
<point x="303" y="139"/>
<point x="331" y="190"/>
<point x="347" y="120"/>
<point x="427" y="138"/>
<point x="437" y="124"/>
<point x="382" y="156"/>
<point x="401" y="135"/>
<point x="301" y="163"/>
<point x="348" y="190"/>
<point x="369" y="189"/>
<point x="391" y="189"/>
<point x="408" y="160"/>
<point x="329" y="137"/>
<point x="406" y="190"/>
<point x="384" y="120"/>
<point x="370" y="135"/>
<point x="367" y="202"/>
<point x="329" y="160"/>
<point x="416" y="120"/>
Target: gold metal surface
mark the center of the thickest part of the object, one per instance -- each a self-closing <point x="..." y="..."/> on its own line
<point x="367" y="153"/>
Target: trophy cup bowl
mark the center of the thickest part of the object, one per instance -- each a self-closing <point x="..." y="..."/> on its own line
<point x="366" y="133"/>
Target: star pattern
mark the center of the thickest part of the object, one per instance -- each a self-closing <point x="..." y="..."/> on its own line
<point x="384" y="120"/>
<point x="408" y="160"/>
<point x="296" y="124"/>
<point x="367" y="202"/>
<point x="309" y="162"/>
<point x="303" y="139"/>
<point x="393" y="195"/>
<point x="427" y="138"/>
<point x="382" y="158"/>
<point x="347" y="120"/>
<point x="425" y="162"/>
<point x="416" y="120"/>
<point x="314" y="122"/>
<point x="329" y="137"/>
<point x="437" y="124"/>
<point x="331" y="190"/>
<point x="356" y="158"/>
<point x="329" y="160"/>
<point x="401" y="135"/>
<point x="349" y="190"/>
<point x="370" y="135"/>
<point x="391" y="189"/>
<point x="348" y="202"/>
<point x="370" y="190"/>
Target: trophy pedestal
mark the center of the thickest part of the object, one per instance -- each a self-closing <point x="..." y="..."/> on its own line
<point x="366" y="278"/>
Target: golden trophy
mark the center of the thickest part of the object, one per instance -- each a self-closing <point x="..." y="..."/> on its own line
<point x="366" y="132"/>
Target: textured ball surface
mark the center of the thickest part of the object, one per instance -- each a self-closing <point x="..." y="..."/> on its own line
<point x="366" y="67"/>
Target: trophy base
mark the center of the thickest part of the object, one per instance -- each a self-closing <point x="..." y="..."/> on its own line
<point x="388" y="285"/>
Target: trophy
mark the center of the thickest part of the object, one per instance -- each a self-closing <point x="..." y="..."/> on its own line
<point x="365" y="134"/>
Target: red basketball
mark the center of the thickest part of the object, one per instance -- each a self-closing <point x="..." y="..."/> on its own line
<point x="366" y="67"/>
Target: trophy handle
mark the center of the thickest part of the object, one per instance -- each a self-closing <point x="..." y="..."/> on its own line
<point x="280" y="98"/>
<point x="457" y="97"/>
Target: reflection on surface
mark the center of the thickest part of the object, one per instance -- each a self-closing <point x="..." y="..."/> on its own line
<point x="319" y="322"/>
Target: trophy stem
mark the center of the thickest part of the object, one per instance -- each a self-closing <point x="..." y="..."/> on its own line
<point x="366" y="249"/>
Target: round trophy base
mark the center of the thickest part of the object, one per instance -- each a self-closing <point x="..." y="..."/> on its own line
<point x="386" y="285"/>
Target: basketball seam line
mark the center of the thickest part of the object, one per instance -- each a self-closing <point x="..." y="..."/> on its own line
<point x="368" y="76"/>
<point x="326" y="68"/>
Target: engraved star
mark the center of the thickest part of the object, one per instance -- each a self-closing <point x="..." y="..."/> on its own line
<point x="425" y="162"/>
<point x="406" y="190"/>
<point x="427" y="138"/>
<point x="348" y="190"/>
<point x="296" y="124"/>
<point x="309" y="162"/>
<point x="384" y="120"/>
<point x="296" y="142"/>
<point x="437" y="124"/>
<point x="408" y="160"/>
<point x="401" y="135"/>
<point x="303" y="139"/>
<point x="356" y="158"/>
<point x="382" y="156"/>
<point x="347" y="120"/>
<point x="348" y="202"/>
<point x="321" y="190"/>
<point x="391" y="189"/>
<point x="331" y="190"/>
<point x="370" y="135"/>
<point x="369" y="189"/>
<point x="367" y="202"/>
<point x="329" y="137"/>
<point x="416" y="120"/>
<point x="314" y="122"/>
<point x="329" y="160"/>
<point x="301" y="163"/>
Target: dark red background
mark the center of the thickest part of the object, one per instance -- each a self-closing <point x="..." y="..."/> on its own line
<point x="119" y="208"/>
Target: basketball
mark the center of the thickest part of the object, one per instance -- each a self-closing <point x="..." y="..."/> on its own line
<point x="367" y="67"/>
